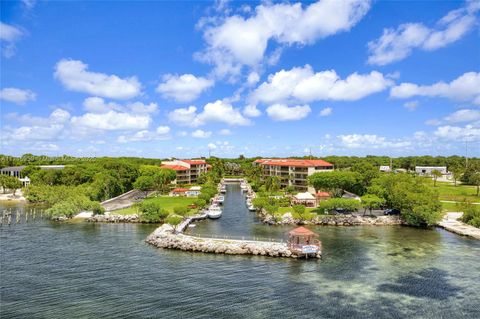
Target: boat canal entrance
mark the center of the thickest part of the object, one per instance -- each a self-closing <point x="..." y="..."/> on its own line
<point x="236" y="220"/>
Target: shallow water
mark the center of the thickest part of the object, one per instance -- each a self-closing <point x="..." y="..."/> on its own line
<point x="81" y="270"/>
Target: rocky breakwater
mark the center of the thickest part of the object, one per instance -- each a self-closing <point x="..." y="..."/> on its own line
<point x="165" y="237"/>
<point x="333" y="220"/>
<point x="112" y="218"/>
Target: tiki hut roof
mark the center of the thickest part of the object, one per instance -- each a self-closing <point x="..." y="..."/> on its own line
<point x="302" y="231"/>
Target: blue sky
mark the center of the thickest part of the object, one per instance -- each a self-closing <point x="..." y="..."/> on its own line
<point x="161" y="79"/>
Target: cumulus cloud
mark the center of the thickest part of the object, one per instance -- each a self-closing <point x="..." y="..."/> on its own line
<point x="326" y="111"/>
<point x="235" y="40"/>
<point x="458" y="133"/>
<point x="397" y="44"/>
<point x="112" y="120"/>
<point x="302" y="84"/>
<point x="183" y="88"/>
<point x="218" y="111"/>
<point x="38" y="128"/>
<point x="17" y="96"/>
<point x="372" y="141"/>
<point x="251" y="111"/>
<point x="161" y="133"/>
<point x="8" y="36"/>
<point x="98" y="105"/>
<point x="282" y="112"/>
<point x="466" y="115"/>
<point x="201" y="134"/>
<point x="75" y="76"/>
<point x="465" y="88"/>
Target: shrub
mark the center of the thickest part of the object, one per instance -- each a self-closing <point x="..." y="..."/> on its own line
<point x="180" y="210"/>
<point x="151" y="212"/>
<point x="471" y="215"/>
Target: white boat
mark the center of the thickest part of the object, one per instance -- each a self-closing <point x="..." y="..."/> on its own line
<point x="223" y="189"/>
<point x="214" y="212"/>
<point x="251" y="208"/>
<point x="220" y="199"/>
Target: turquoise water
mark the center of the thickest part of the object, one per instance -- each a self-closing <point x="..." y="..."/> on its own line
<point x="81" y="270"/>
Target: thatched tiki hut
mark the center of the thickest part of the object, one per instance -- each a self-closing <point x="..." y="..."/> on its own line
<point x="304" y="242"/>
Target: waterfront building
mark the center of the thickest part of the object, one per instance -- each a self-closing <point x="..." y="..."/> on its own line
<point x="187" y="171"/>
<point x="178" y="192"/>
<point x="16" y="171"/>
<point x="293" y="172"/>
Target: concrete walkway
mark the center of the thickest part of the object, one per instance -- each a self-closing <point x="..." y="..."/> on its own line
<point x="451" y="223"/>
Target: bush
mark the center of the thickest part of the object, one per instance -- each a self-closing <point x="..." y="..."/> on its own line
<point x="174" y="220"/>
<point x="331" y="204"/>
<point x="201" y="202"/>
<point x="471" y="215"/>
<point x="180" y="210"/>
<point x="151" y="212"/>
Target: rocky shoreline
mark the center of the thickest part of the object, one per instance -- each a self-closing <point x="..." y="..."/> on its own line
<point x="165" y="237"/>
<point x="112" y="218"/>
<point x="333" y="220"/>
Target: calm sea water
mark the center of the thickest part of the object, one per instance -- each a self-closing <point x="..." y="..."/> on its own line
<point x="81" y="270"/>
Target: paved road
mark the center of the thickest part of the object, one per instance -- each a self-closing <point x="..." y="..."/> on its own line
<point x="124" y="200"/>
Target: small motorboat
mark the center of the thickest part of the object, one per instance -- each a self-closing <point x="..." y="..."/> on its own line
<point x="223" y="189"/>
<point x="220" y="199"/>
<point x="214" y="212"/>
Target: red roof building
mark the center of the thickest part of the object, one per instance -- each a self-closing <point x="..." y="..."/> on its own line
<point x="187" y="171"/>
<point x="293" y="172"/>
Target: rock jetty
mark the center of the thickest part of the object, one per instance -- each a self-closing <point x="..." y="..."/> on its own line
<point x="333" y="220"/>
<point x="165" y="237"/>
<point x="112" y="218"/>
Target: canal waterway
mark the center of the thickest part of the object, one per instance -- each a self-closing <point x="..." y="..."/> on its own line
<point x="84" y="270"/>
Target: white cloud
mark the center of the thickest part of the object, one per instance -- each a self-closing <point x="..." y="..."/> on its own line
<point x="17" y="96"/>
<point x="38" y="128"/>
<point x="465" y="115"/>
<point x="282" y="112"/>
<point x="201" y="134"/>
<point x="161" y="133"/>
<point x="397" y="44"/>
<point x="211" y="146"/>
<point x="112" y="120"/>
<point x="326" y="111"/>
<point x="74" y="75"/>
<point x="218" y="111"/>
<point x="235" y="41"/>
<point x="183" y="88"/>
<point x="225" y="132"/>
<point x="98" y="105"/>
<point x="9" y="35"/>
<point x="354" y="141"/>
<point x="411" y="105"/>
<point x="464" y="88"/>
<point x="456" y="133"/>
<point x="251" y="111"/>
<point x="253" y="78"/>
<point x="303" y="85"/>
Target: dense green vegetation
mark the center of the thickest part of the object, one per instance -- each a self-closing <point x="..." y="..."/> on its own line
<point x="471" y="214"/>
<point x="9" y="183"/>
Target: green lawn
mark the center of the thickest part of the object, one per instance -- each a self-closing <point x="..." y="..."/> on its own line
<point x="459" y="193"/>
<point x="166" y="202"/>
<point x="450" y="207"/>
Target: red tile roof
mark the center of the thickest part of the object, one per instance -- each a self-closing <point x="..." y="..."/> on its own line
<point x="323" y="194"/>
<point x="194" y="162"/>
<point x="180" y="190"/>
<point x="302" y="231"/>
<point x="175" y="167"/>
<point x="293" y="162"/>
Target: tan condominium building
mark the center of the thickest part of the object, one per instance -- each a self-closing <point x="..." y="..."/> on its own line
<point x="293" y="172"/>
<point x="187" y="171"/>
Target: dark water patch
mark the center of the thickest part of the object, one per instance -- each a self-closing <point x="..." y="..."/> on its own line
<point x="427" y="283"/>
